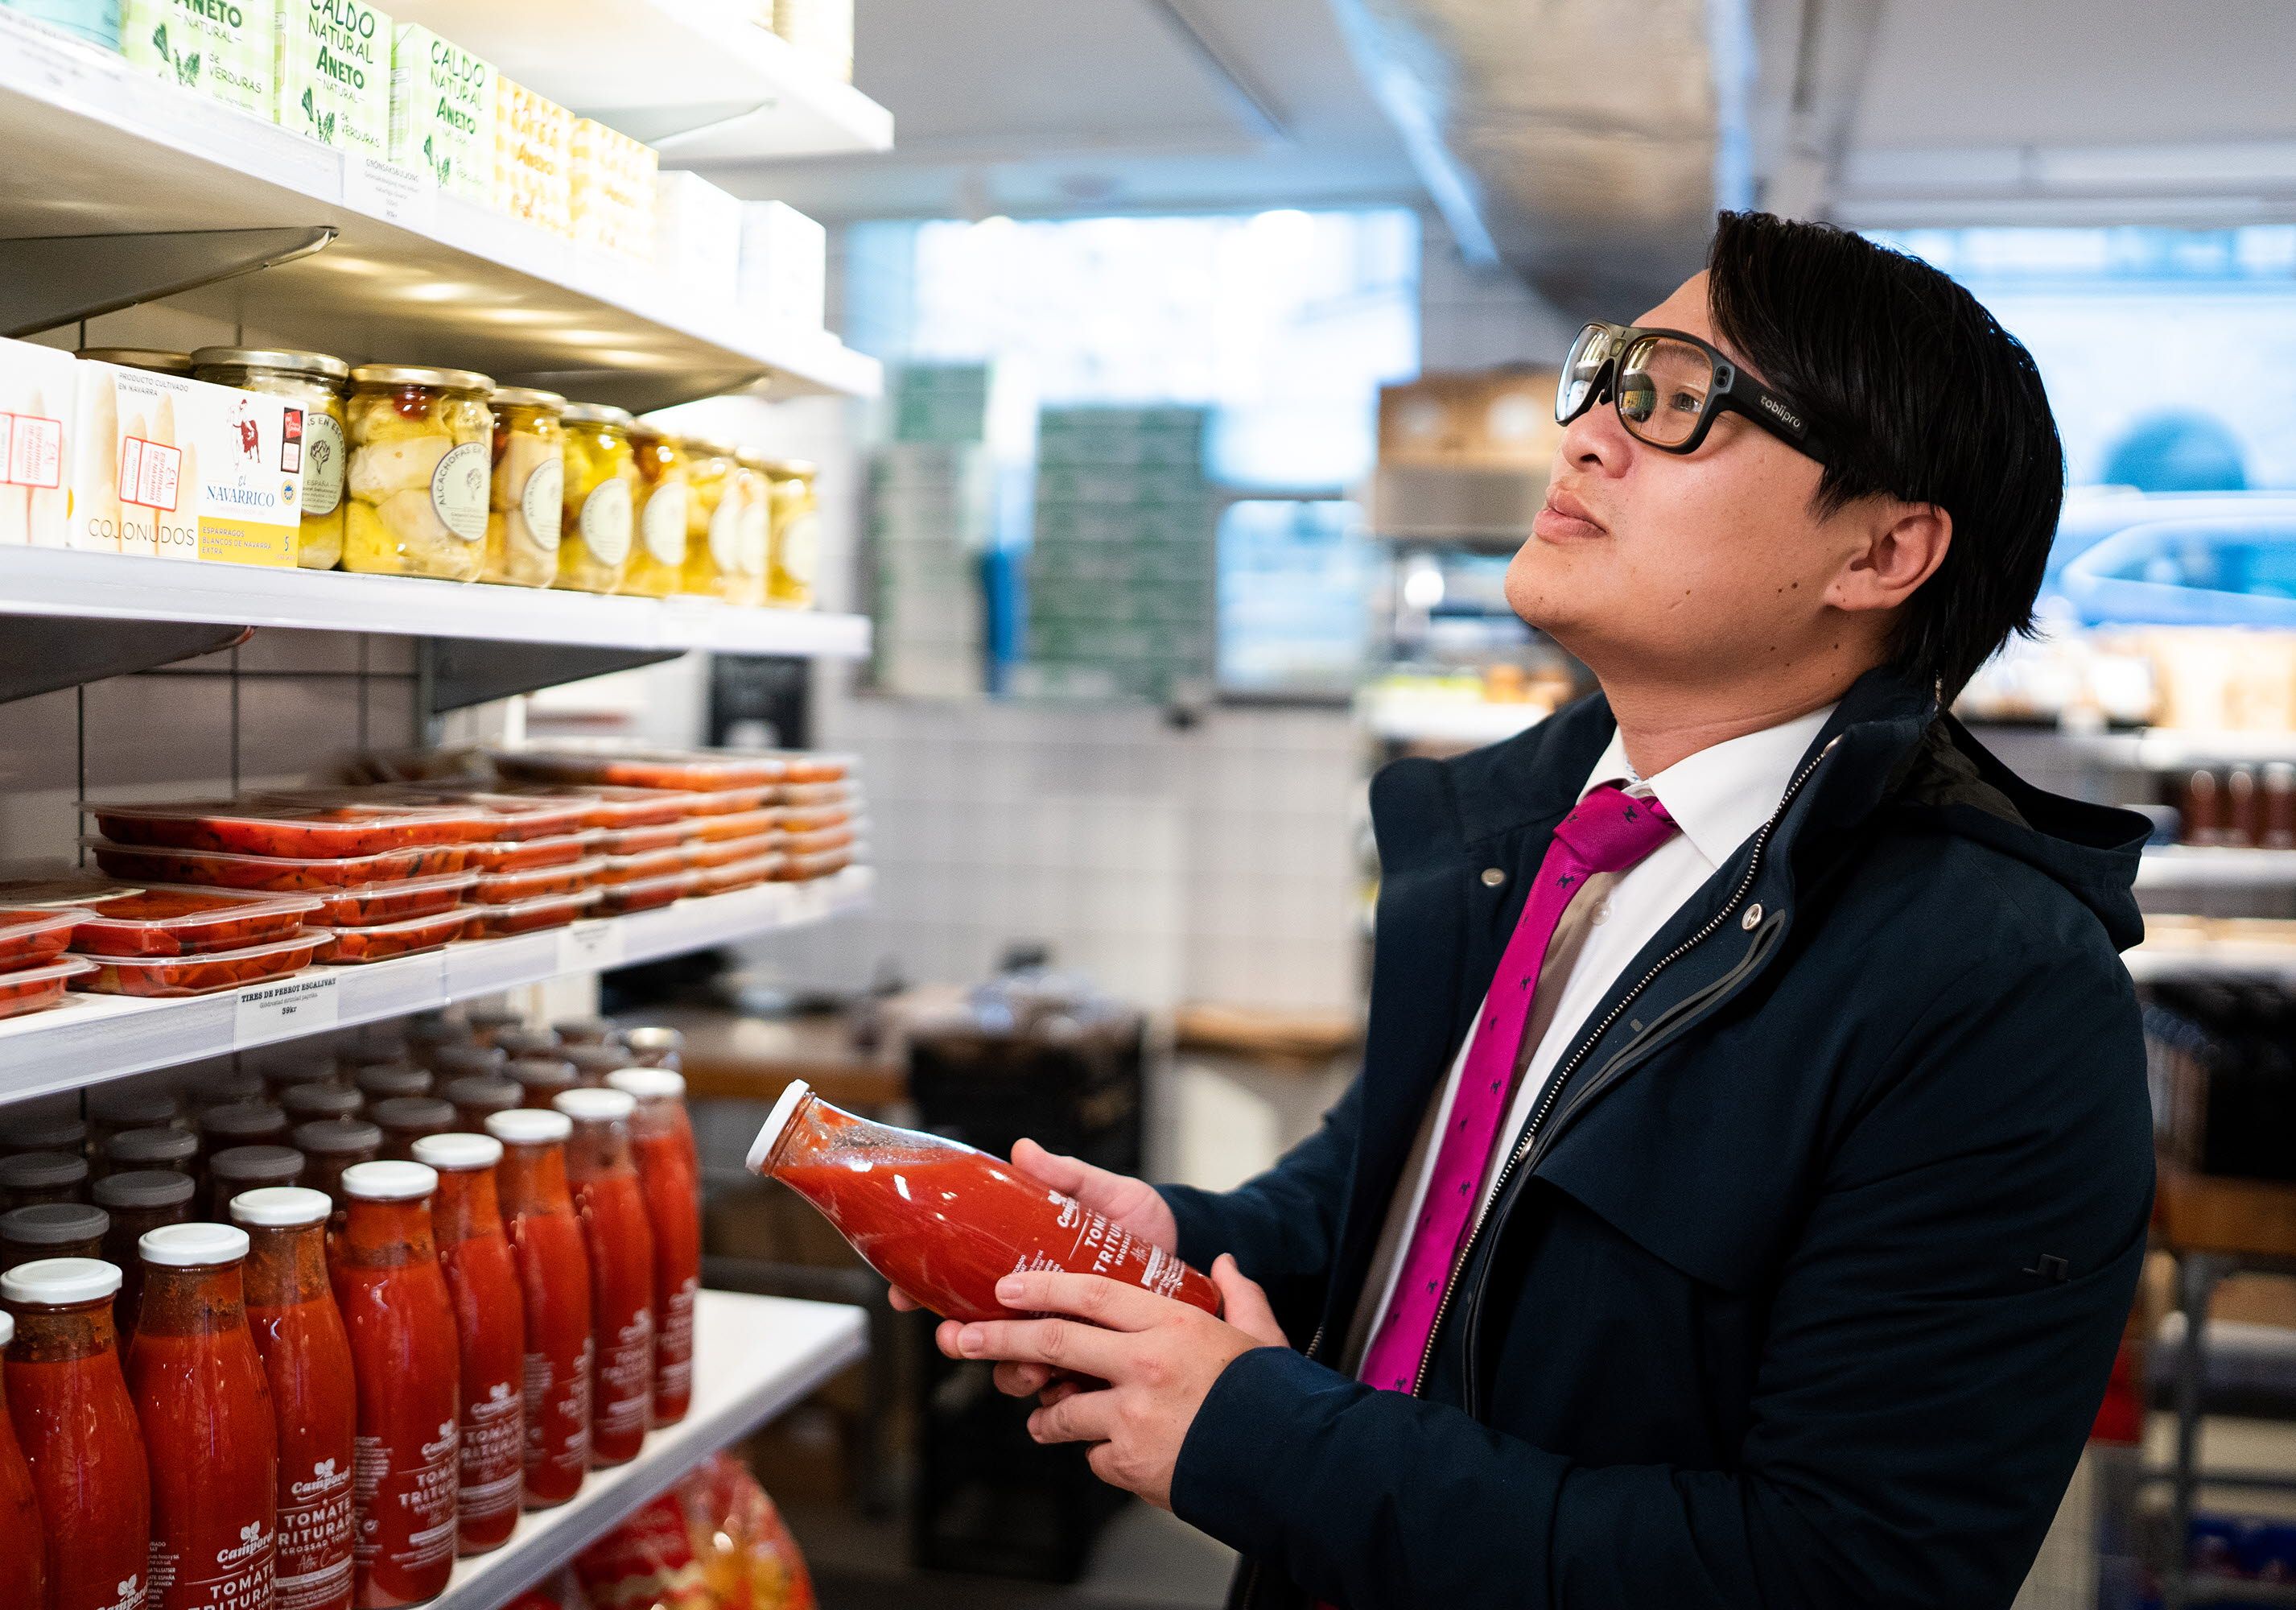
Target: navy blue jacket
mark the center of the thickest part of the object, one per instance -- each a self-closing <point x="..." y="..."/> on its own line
<point x="1803" y="1291"/>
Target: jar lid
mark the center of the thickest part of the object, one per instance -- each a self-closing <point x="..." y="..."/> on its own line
<point x="434" y="1027"/>
<point x="792" y="469"/>
<point x="469" y="1062"/>
<point x="143" y="1147"/>
<point x="48" y="1134"/>
<point x="593" y="1063"/>
<point x="56" y="1282"/>
<point x="132" y="1109"/>
<point x="224" y="1087"/>
<point x="158" y="360"/>
<point x="710" y="446"/>
<point x="523" y="396"/>
<point x="303" y="1068"/>
<point x="7" y="1328"/>
<point x="412" y="1112"/>
<point x="271" y="357"/>
<point x="598" y="414"/>
<point x="522" y="1041"/>
<point x="588" y="1031"/>
<point x="769" y="1135"/>
<point x="648" y="1084"/>
<point x="281" y="1207"/>
<point x="485" y="1018"/>
<point x="242" y="1118"/>
<point x="528" y="1126"/>
<point x="389" y="1181"/>
<point x="488" y="1094"/>
<point x="548" y="1073"/>
<point x="336" y="1136"/>
<point x="40" y="1171"/>
<point x="304" y="1102"/>
<point x="388" y="1079"/>
<point x="143" y="1188"/>
<point x="53" y="1224"/>
<point x="256" y="1165"/>
<point x="653" y="1040"/>
<point x="595" y="1106"/>
<point x="436" y="379"/>
<point x="458" y="1152"/>
<point x="191" y="1245"/>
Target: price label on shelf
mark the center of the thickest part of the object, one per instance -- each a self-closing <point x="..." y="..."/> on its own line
<point x="395" y="194"/>
<point x="298" y="1006"/>
<point x="590" y="947"/>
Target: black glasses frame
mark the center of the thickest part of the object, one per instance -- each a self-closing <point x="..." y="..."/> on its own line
<point x="1733" y="389"/>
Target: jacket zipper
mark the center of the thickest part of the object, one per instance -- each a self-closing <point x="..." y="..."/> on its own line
<point x="1579" y="1053"/>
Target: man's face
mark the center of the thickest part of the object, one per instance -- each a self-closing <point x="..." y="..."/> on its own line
<point x="1707" y="566"/>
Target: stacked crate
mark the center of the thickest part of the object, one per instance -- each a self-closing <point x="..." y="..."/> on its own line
<point x="930" y="514"/>
<point x="1121" y="601"/>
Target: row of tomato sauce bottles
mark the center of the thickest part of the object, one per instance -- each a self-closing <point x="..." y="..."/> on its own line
<point x="319" y="1407"/>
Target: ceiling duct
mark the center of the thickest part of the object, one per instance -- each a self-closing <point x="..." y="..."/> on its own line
<point x="1586" y="143"/>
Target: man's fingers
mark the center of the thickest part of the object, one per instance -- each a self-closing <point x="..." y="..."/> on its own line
<point x="1022" y="1380"/>
<point x="903" y="1303"/>
<point x="1244" y="1305"/>
<point x="1068" y="1175"/>
<point x="1086" y="1349"/>
<point x="1064" y="1387"/>
<point x="1083" y="1416"/>
<point x="1110" y="1304"/>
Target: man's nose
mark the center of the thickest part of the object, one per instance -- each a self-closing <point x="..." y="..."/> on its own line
<point x="1596" y="440"/>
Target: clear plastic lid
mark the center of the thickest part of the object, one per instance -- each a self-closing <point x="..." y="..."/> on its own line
<point x="528" y="1126"/>
<point x="20" y="981"/>
<point x="380" y="942"/>
<point x="307" y="827"/>
<point x="814" y="796"/>
<point x="213" y="969"/>
<point x="279" y="1207"/>
<point x="510" y="816"/>
<point x="389" y="1181"/>
<point x="640" y="894"/>
<point x="546" y="911"/>
<point x="518" y="855"/>
<point x="615" y="809"/>
<point x="509" y="888"/>
<point x="33" y="935"/>
<point x="651" y="864"/>
<point x="626" y="766"/>
<point x="216" y="868"/>
<point x="458" y="1152"/>
<point x="642" y="841"/>
<point x="193" y="1245"/>
<point x="59" y="1282"/>
<point x="736" y="824"/>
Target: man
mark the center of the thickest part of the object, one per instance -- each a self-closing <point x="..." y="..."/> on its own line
<point x="1746" y="1182"/>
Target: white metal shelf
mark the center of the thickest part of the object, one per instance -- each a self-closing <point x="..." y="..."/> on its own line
<point x="754" y="1357"/>
<point x="2258" y="959"/>
<point x="2206" y="867"/>
<point x="697" y="75"/>
<point x="94" y="1038"/>
<point x="422" y="278"/>
<point x="125" y="587"/>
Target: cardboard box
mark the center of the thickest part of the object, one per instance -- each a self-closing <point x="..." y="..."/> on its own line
<point x="615" y="179"/>
<point x="223" y="48"/>
<point x="697" y="237"/>
<point x="333" y="66"/>
<point x="1489" y="419"/>
<point x="533" y="159"/>
<point x="36" y="389"/>
<point x="784" y="266"/>
<point x="442" y="112"/>
<point x="179" y="469"/>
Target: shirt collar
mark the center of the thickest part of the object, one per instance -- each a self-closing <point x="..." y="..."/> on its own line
<point x="1721" y="794"/>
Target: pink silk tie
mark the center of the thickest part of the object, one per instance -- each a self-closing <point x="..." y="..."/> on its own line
<point x="1608" y="831"/>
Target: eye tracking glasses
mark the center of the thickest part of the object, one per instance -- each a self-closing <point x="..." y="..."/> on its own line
<point x="1667" y="387"/>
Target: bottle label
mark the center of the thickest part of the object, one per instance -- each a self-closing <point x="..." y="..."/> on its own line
<point x="323" y="464"/>
<point x="542" y="503"/>
<point x="494" y="1453"/>
<point x="1106" y="1248"/>
<point x="566" y="1404"/>
<point x="626" y="1378"/>
<point x="673" y="1348"/>
<point x="458" y="490"/>
<point x="134" y="1594"/>
<point x="236" y="1577"/>
<point x="315" y="1538"/>
<point x="416" y="1487"/>
<point x="665" y="524"/>
<point x="605" y="523"/>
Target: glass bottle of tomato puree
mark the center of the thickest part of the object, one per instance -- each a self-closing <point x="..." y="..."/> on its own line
<point x="490" y="1318"/>
<point x="661" y="1139"/>
<point x="620" y="1237"/>
<point x="207" y="1426"/>
<point x="76" y="1424"/>
<point x="553" y="1281"/>
<point x="401" y="1324"/>
<point x="307" y="1357"/>
<point x="945" y="1222"/>
<point x="23" y="1551"/>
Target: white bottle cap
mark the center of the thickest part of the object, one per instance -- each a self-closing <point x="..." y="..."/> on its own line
<point x="588" y="1105"/>
<point x="389" y="1181"/>
<point x="192" y="1245"/>
<point x="761" y="1149"/>
<point x="528" y="1126"/>
<point x="57" y="1281"/>
<point x="7" y="1328"/>
<point x="460" y="1153"/>
<point x="648" y="1084"/>
<point x="281" y="1207"/>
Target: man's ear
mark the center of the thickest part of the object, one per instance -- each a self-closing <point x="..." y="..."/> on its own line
<point x="1895" y="548"/>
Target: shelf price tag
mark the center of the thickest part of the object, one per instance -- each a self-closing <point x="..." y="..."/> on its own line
<point x="395" y="194"/>
<point x="295" y="1005"/>
<point x="590" y="947"/>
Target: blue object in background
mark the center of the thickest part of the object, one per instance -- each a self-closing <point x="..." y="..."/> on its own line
<point x="97" y="21"/>
<point x="2234" y="565"/>
<point x="2178" y="452"/>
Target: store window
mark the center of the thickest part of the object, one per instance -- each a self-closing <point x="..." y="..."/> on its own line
<point x="1284" y="324"/>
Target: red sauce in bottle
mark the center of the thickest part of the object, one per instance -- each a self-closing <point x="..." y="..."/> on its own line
<point x="490" y="1318"/>
<point x="662" y="1138"/>
<point x="401" y="1324"/>
<point x="76" y="1426"/>
<point x="945" y="1222"/>
<point x="553" y="1278"/>
<point x="307" y="1357"/>
<point x="23" y="1549"/>
<point x="619" y="1239"/>
<point x="208" y="1423"/>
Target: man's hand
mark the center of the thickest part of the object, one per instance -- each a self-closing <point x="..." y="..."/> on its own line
<point x="1157" y="1355"/>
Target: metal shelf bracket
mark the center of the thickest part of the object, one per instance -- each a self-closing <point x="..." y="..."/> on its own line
<point x="51" y="280"/>
<point x="40" y="653"/>
<point x="454" y="673"/>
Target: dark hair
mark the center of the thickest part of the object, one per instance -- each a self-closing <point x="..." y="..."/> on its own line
<point x="1918" y="394"/>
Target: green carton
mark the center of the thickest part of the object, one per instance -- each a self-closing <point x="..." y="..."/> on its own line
<point x="335" y="66"/>
<point x="442" y="112"/>
<point x="222" y="48"/>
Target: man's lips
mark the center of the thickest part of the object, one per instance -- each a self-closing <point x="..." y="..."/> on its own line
<point x="1565" y="518"/>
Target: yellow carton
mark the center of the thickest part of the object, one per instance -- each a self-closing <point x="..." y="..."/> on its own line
<point x="176" y="468"/>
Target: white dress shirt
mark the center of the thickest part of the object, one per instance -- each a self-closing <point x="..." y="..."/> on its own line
<point x="1717" y="797"/>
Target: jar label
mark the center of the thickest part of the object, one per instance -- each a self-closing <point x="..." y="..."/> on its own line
<point x="542" y="503"/>
<point x="606" y="523"/>
<point x="494" y="1453"/>
<point x="315" y="1539"/>
<point x="665" y="524"/>
<point x="237" y="1578"/>
<point x="323" y="464"/>
<point x="725" y="532"/>
<point x="801" y="548"/>
<point x="756" y="536"/>
<point x="626" y="1379"/>
<point x="458" y="490"/>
